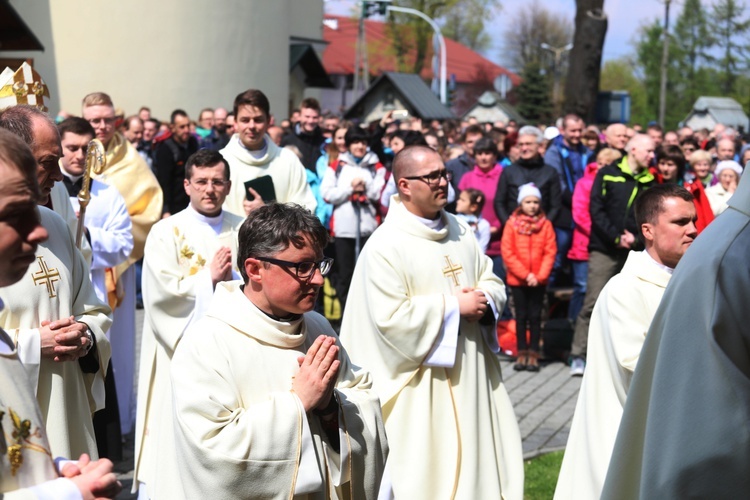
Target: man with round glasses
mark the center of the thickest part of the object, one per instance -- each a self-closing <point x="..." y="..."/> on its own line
<point x="421" y="317"/>
<point x="266" y="402"/>
<point x="187" y="254"/>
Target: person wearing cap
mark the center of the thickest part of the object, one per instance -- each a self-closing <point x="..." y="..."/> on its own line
<point x="728" y="172"/>
<point x="666" y="217"/>
<point x="528" y="249"/>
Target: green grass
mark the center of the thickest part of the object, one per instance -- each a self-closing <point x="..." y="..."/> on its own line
<point x="541" y="476"/>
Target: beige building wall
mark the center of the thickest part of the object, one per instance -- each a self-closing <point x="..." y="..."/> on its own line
<point x="167" y="54"/>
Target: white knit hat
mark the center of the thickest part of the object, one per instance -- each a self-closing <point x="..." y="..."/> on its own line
<point x="551" y="132"/>
<point x="529" y="189"/>
<point x="728" y="164"/>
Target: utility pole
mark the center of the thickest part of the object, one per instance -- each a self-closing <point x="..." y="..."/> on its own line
<point x="558" y="52"/>
<point x="664" y="66"/>
<point x="361" y="65"/>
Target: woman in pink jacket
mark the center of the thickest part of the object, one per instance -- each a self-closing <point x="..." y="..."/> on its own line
<point x="579" y="248"/>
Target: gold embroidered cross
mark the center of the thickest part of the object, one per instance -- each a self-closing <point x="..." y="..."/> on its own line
<point x="453" y="270"/>
<point x="46" y="276"/>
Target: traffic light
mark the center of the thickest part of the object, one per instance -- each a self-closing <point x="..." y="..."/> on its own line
<point x="372" y="7"/>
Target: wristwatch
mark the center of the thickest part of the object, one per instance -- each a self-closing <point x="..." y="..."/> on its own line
<point x="90" y="343"/>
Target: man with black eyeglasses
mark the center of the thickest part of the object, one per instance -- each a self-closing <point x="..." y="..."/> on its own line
<point x="187" y="254"/>
<point x="421" y="317"/>
<point x="266" y="402"/>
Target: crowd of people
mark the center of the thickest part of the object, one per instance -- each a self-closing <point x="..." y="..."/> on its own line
<point x="224" y="231"/>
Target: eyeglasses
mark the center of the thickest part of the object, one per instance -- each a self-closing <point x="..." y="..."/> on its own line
<point x="303" y="269"/>
<point x="107" y="121"/>
<point x="202" y="184"/>
<point x="433" y="178"/>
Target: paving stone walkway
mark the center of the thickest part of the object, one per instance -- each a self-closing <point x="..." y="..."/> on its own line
<point x="543" y="402"/>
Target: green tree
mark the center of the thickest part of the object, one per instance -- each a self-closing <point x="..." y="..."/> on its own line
<point x="619" y="74"/>
<point x="693" y="41"/>
<point x="730" y="26"/>
<point x="534" y="102"/>
<point x="466" y="21"/>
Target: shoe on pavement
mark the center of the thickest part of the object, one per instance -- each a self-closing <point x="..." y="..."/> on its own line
<point x="577" y="367"/>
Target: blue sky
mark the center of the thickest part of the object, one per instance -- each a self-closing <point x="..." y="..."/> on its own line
<point x="625" y="17"/>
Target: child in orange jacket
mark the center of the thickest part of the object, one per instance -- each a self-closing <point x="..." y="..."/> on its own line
<point x="528" y="248"/>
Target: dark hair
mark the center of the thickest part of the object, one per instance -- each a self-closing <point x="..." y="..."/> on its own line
<point x="252" y="97"/>
<point x="75" y="125"/>
<point x="410" y="137"/>
<point x="144" y="108"/>
<point x="356" y="134"/>
<point x="205" y="158"/>
<point x="673" y="154"/>
<point x="650" y="203"/>
<point x="19" y="120"/>
<point x="176" y="113"/>
<point x="590" y="135"/>
<point x="485" y="145"/>
<point x="310" y="103"/>
<point x="155" y="122"/>
<point x="476" y="197"/>
<point x="654" y="126"/>
<point x="690" y="141"/>
<point x="472" y="130"/>
<point x="271" y="228"/>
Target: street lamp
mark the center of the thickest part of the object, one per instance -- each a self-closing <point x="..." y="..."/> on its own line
<point x="558" y="51"/>
<point x="441" y="41"/>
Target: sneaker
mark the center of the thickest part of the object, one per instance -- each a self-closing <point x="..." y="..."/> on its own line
<point x="577" y="366"/>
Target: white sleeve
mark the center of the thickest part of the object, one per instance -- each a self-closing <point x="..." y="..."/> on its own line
<point x="483" y="234"/>
<point x="57" y="489"/>
<point x="490" y="331"/>
<point x="29" y="346"/>
<point x="443" y="353"/>
<point x="112" y="243"/>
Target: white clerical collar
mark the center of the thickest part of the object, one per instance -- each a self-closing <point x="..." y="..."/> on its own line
<point x="657" y="264"/>
<point x="73" y="178"/>
<point x="214" y="222"/>
<point x="434" y="224"/>
<point x="258" y="153"/>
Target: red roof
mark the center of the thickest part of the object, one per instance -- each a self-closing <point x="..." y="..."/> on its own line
<point x="338" y="57"/>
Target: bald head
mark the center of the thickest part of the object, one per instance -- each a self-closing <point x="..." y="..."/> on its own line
<point x="725" y="149"/>
<point x="640" y="152"/>
<point x="616" y="136"/>
<point x="409" y="160"/>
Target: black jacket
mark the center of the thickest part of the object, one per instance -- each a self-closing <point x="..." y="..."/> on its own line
<point x="169" y="166"/>
<point x="520" y="173"/>
<point x="310" y="145"/>
<point x="613" y="195"/>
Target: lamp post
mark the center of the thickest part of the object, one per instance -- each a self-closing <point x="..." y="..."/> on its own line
<point x="558" y="52"/>
<point x="441" y="41"/>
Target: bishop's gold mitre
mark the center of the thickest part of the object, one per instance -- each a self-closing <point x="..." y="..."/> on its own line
<point x="23" y="86"/>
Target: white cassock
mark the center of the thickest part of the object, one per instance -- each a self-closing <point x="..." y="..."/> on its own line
<point x="287" y="172"/>
<point x="110" y="232"/>
<point x="242" y="433"/>
<point x="27" y="471"/>
<point x="684" y="430"/>
<point x="619" y="324"/>
<point x="450" y="422"/>
<point x="61" y="205"/>
<point x="57" y="286"/>
<point x="177" y="289"/>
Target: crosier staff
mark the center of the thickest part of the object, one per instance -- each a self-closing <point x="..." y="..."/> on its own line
<point x="94" y="161"/>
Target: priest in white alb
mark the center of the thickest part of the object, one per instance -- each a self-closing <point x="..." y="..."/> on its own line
<point x="126" y="170"/>
<point x="187" y="254"/>
<point x="27" y="470"/>
<point x="266" y="402"/>
<point x="622" y="315"/>
<point x="54" y="316"/>
<point x="421" y="318"/>
<point x="252" y="154"/>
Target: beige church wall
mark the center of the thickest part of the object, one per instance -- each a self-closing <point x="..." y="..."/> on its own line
<point x="302" y="11"/>
<point x="167" y="54"/>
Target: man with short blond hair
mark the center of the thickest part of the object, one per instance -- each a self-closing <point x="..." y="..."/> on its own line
<point x="130" y="174"/>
